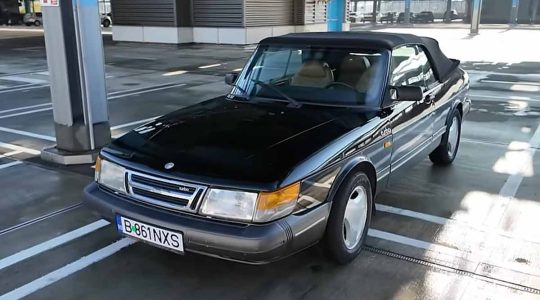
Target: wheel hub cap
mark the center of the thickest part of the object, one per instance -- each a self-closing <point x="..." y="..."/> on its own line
<point x="355" y="217"/>
<point x="453" y="136"/>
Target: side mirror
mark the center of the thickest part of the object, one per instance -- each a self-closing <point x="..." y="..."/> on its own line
<point x="230" y="78"/>
<point x="406" y="93"/>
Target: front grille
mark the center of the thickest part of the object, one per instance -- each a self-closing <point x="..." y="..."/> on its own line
<point x="163" y="192"/>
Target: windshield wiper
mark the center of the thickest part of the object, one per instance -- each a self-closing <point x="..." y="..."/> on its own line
<point x="293" y="102"/>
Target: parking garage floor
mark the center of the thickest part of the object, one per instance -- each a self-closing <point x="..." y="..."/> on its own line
<point x="469" y="231"/>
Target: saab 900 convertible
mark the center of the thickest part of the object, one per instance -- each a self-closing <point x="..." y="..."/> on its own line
<point x="314" y="127"/>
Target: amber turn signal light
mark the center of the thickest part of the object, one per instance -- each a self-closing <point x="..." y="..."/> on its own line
<point x="270" y="200"/>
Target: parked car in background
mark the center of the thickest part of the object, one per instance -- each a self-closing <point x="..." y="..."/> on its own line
<point x="423" y="17"/>
<point x="370" y="17"/>
<point x="353" y="17"/>
<point x="313" y="129"/>
<point x="389" y="17"/>
<point x="453" y="15"/>
<point x="106" y="20"/>
<point x="401" y="17"/>
<point x="35" y="19"/>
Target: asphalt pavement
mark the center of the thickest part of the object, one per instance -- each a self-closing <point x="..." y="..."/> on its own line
<point x="468" y="231"/>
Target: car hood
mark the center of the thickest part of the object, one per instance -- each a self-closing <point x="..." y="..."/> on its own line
<point x="248" y="142"/>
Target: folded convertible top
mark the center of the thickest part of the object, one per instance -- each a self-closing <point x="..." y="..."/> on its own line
<point x="442" y="65"/>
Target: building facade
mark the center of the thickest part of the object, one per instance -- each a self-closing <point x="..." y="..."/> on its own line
<point x="214" y="21"/>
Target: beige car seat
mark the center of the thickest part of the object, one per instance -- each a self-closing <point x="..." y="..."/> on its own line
<point x="313" y="74"/>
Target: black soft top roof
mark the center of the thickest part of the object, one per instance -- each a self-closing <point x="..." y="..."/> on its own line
<point x="442" y="65"/>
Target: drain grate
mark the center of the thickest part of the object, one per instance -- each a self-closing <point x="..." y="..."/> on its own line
<point x="438" y="266"/>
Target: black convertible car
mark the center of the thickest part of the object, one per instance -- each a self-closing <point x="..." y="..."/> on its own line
<point x="314" y="127"/>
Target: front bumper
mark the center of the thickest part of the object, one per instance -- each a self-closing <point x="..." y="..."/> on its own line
<point x="249" y="243"/>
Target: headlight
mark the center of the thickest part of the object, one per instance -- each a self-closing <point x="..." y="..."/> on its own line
<point x="229" y="204"/>
<point x="247" y="206"/>
<point x="111" y="175"/>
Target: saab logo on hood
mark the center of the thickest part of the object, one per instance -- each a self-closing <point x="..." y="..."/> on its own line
<point x="169" y="165"/>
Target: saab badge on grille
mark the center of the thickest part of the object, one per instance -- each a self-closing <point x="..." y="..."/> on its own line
<point x="169" y="165"/>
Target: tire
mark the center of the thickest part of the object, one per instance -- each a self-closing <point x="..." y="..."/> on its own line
<point x="37" y="23"/>
<point x="356" y="191"/>
<point x="106" y="23"/>
<point x="447" y="150"/>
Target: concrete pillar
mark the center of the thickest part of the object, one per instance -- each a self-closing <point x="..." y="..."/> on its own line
<point x="407" y="19"/>
<point x="75" y="59"/>
<point x="374" y="11"/>
<point x="448" y="18"/>
<point x="476" y="14"/>
<point x="534" y="11"/>
<point x="27" y="6"/>
<point x="514" y="12"/>
<point x="336" y="15"/>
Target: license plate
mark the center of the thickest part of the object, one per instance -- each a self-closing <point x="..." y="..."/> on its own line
<point x="149" y="233"/>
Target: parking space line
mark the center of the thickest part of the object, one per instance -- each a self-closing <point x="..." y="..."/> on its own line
<point x="510" y="82"/>
<point x="511" y="186"/>
<point x="134" y="123"/>
<point x="413" y="242"/>
<point x="146" y="91"/>
<point x="67" y="270"/>
<point x="24" y="107"/>
<point x="411" y="214"/>
<point x="24" y="79"/>
<point x="209" y="66"/>
<point x="52" y="243"/>
<point x="13" y="163"/>
<point x="29" y="87"/>
<point x="20" y="148"/>
<point x="29" y="134"/>
<point x="8" y="154"/>
<point x="508" y="98"/>
<point x="25" y="112"/>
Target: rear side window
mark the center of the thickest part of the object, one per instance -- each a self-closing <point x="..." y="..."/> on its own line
<point x="407" y="67"/>
<point x="427" y="70"/>
<point x="411" y="67"/>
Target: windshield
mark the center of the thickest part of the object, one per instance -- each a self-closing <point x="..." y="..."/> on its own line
<point x="314" y="75"/>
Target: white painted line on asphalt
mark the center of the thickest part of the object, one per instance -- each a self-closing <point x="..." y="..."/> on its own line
<point x="25" y="112"/>
<point x="23" y="30"/>
<point x="52" y="243"/>
<point x="24" y="107"/>
<point x="11" y="164"/>
<point x="134" y="123"/>
<point x="511" y="186"/>
<point x="67" y="270"/>
<point x="412" y="214"/>
<point x="413" y="242"/>
<point x="118" y="94"/>
<point x="20" y="148"/>
<point x="26" y="87"/>
<point x="507" y="98"/>
<point x="209" y="66"/>
<point x="24" y="79"/>
<point x="146" y="91"/>
<point x="29" y="134"/>
<point x="511" y="82"/>
<point x="8" y="154"/>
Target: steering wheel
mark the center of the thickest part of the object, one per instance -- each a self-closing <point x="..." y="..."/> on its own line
<point x="337" y="83"/>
